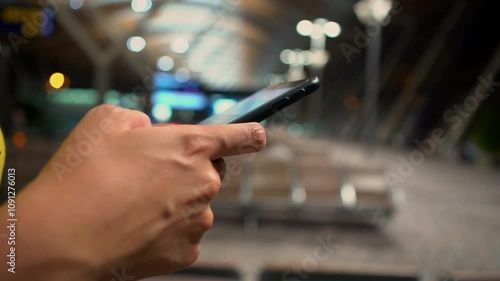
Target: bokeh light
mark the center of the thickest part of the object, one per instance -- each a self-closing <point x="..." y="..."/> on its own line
<point x="319" y="58"/>
<point x="76" y="4"/>
<point x="222" y="105"/>
<point x="179" y="45"/>
<point x="332" y="29"/>
<point x="136" y="44"/>
<point x="305" y="28"/>
<point x="19" y="139"/>
<point x="287" y="56"/>
<point x="351" y="102"/>
<point x="165" y="63"/>
<point x="141" y="5"/>
<point x="56" y="80"/>
<point x="348" y="195"/>
<point x="182" y="75"/>
<point x="162" y="112"/>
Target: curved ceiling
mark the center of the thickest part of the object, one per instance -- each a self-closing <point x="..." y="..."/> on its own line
<point x="225" y="37"/>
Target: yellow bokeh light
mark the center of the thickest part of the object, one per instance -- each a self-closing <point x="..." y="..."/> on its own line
<point x="56" y="80"/>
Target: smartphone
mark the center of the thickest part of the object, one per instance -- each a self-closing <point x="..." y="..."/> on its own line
<point x="264" y="103"/>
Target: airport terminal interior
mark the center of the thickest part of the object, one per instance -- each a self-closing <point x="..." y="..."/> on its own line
<point x="391" y="169"/>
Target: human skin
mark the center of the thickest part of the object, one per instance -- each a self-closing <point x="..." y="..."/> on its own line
<point x="137" y="202"/>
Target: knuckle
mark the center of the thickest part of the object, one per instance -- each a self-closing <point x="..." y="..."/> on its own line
<point x="126" y="117"/>
<point x="103" y="110"/>
<point x="139" y="119"/>
<point x="207" y="219"/>
<point x="195" y="144"/>
<point x="212" y="184"/>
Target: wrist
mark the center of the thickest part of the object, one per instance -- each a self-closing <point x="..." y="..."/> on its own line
<point x="43" y="250"/>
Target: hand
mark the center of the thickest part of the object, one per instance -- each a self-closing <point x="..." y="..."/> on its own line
<point x="121" y="194"/>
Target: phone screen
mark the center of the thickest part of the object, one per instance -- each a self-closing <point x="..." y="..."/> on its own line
<point x="246" y="105"/>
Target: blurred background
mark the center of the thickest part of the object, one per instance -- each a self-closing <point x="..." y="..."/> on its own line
<point x="389" y="172"/>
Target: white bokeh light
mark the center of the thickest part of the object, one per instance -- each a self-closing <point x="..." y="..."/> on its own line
<point x="332" y="29"/>
<point x="222" y="105"/>
<point x="140" y="6"/>
<point x="305" y="28"/>
<point x="161" y="112"/>
<point x="165" y="63"/>
<point x="76" y="4"/>
<point x="348" y="195"/>
<point x="378" y="10"/>
<point x="182" y="75"/>
<point x="319" y="58"/>
<point x="179" y="45"/>
<point x="136" y="44"/>
<point x="307" y="57"/>
<point x="317" y="31"/>
<point x="287" y="56"/>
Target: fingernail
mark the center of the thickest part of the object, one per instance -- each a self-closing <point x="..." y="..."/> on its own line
<point x="259" y="136"/>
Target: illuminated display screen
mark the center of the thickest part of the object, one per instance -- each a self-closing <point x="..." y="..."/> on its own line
<point x="27" y="22"/>
<point x="180" y="100"/>
<point x="167" y="81"/>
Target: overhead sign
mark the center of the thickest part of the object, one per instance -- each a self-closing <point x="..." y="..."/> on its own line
<point x="26" y="21"/>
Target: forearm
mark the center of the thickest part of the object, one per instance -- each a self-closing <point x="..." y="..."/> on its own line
<point x="30" y="240"/>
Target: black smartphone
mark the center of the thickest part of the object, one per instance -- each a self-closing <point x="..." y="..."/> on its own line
<point x="264" y="103"/>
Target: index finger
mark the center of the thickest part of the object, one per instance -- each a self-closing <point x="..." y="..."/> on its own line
<point x="226" y="140"/>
